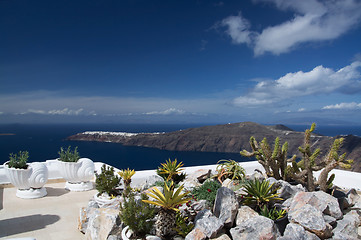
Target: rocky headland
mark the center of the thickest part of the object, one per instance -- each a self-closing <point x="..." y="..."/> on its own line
<point x="224" y="138"/>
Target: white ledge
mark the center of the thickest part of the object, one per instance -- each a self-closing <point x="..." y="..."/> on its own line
<point x="343" y="179"/>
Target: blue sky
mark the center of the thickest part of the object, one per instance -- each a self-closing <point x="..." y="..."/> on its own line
<point x="268" y="61"/>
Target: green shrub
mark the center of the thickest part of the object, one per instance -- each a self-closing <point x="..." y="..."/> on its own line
<point x="19" y="160"/>
<point x="107" y="181"/>
<point x="207" y="191"/>
<point x="68" y="155"/>
<point x="137" y="215"/>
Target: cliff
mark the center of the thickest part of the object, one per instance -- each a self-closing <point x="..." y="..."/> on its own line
<point x="223" y="138"/>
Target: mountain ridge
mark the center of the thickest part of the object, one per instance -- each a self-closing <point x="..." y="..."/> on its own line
<point x="231" y="138"/>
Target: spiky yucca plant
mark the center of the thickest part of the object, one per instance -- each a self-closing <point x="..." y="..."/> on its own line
<point x="168" y="202"/>
<point x="260" y="193"/>
<point x="170" y="169"/>
<point x="126" y="175"/>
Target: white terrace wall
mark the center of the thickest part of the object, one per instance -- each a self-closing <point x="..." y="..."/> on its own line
<point x="345" y="179"/>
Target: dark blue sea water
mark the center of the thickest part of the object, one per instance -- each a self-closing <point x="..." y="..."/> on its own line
<point x="44" y="141"/>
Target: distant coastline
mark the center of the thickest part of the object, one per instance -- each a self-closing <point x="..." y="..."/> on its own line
<point x="7" y="134"/>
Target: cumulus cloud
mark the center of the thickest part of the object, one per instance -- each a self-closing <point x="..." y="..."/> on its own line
<point x="313" y="21"/>
<point x="320" y="80"/>
<point x="345" y="106"/>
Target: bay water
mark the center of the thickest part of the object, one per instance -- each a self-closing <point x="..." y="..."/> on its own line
<point x="44" y="141"/>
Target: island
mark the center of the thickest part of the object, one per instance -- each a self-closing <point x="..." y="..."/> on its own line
<point x="224" y="138"/>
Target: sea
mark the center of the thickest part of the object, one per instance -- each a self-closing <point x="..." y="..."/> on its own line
<point x="43" y="142"/>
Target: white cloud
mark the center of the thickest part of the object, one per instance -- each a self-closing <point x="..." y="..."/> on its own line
<point x="237" y="29"/>
<point x="347" y="106"/>
<point x="64" y="111"/>
<point x="320" y="80"/>
<point x="301" y="109"/>
<point x="313" y="21"/>
<point x="170" y="111"/>
<point x="58" y="103"/>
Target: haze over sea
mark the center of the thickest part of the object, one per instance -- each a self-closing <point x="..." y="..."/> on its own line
<point x="44" y="141"/>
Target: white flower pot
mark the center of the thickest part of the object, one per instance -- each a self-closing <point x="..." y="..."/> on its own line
<point x="77" y="174"/>
<point x="18" y="177"/>
<point x="30" y="181"/>
<point x="104" y="200"/>
<point x="126" y="233"/>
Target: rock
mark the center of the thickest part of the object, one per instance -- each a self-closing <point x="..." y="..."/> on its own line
<point x="147" y="182"/>
<point x="320" y="200"/>
<point x="221" y="236"/>
<point x="226" y="206"/>
<point x="352" y="197"/>
<point x="189" y="184"/>
<point x="287" y="190"/>
<point x="296" y="232"/>
<point x="196" y="234"/>
<point x="84" y="218"/>
<point x="199" y="205"/>
<point x="244" y="213"/>
<point x="257" y="175"/>
<point x="310" y="218"/>
<point x="287" y="203"/>
<point x="255" y="228"/>
<point x="200" y="175"/>
<point x="102" y="222"/>
<point x="207" y="223"/>
<point x="330" y="220"/>
<point x="347" y="227"/>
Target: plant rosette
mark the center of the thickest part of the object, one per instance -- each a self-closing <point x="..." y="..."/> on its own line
<point x="29" y="182"/>
<point x="77" y="174"/>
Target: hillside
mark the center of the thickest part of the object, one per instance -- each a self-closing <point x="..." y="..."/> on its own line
<point x="223" y="138"/>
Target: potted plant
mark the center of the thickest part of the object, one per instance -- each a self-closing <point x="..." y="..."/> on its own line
<point x="136" y="215"/>
<point x="75" y="170"/>
<point x="168" y="203"/>
<point x="29" y="179"/>
<point x="106" y="182"/>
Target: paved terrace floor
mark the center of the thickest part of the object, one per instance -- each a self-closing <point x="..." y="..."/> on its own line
<point x="55" y="217"/>
<point x="52" y="217"/>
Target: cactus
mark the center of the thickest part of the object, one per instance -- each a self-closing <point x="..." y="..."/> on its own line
<point x="274" y="162"/>
<point x="303" y="170"/>
<point x="332" y="160"/>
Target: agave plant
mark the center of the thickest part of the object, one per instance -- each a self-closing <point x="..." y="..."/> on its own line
<point x="126" y="175"/>
<point x="230" y="169"/>
<point x="168" y="202"/>
<point x="170" y="169"/>
<point x="260" y="193"/>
